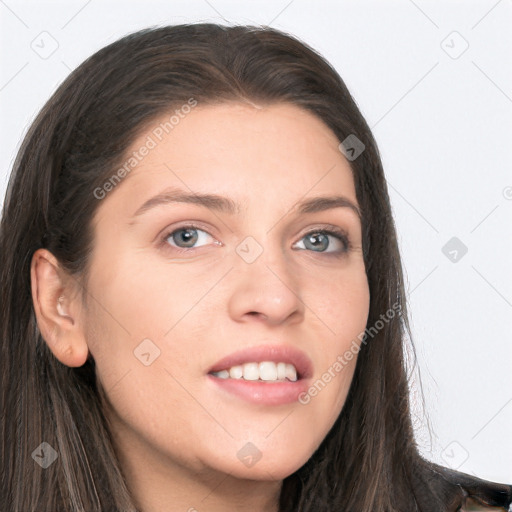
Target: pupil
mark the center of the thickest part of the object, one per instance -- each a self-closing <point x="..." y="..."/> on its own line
<point x="321" y="237"/>
<point x="186" y="237"/>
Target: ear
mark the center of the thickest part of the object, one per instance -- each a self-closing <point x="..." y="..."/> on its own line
<point x="58" y="307"/>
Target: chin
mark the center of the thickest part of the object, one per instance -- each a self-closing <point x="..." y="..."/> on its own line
<point x="254" y="465"/>
<point x="264" y="472"/>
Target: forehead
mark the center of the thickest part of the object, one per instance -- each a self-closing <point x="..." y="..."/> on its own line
<point x="280" y="151"/>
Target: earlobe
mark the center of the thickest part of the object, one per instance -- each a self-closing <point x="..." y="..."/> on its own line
<point x="57" y="309"/>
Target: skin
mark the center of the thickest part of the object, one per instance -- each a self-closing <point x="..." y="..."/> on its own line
<point x="177" y="434"/>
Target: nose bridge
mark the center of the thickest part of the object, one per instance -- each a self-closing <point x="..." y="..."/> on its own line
<point x="265" y="283"/>
<point x="263" y="249"/>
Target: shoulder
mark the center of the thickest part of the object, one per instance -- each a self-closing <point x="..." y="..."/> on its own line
<point x="480" y="495"/>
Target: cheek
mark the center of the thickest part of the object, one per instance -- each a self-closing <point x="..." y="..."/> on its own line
<point x="137" y="317"/>
<point x="149" y="300"/>
<point x="341" y="303"/>
<point x="152" y="399"/>
<point x="341" y="306"/>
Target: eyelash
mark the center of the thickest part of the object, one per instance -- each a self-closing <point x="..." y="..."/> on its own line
<point x="340" y="234"/>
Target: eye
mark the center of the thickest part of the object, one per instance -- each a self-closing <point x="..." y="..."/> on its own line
<point x="319" y="241"/>
<point x="186" y="237"/>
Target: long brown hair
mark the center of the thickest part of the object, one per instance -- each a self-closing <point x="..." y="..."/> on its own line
<point x="369" y="460"/>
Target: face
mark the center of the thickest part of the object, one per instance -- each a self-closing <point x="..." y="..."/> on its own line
<point x="179" y="286"/>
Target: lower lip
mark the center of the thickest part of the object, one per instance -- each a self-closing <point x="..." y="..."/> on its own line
<point x="265" y="393"/>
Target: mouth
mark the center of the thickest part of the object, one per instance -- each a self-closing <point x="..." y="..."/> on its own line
<point x="269" y="374"/>
<point x="266" y="371"/>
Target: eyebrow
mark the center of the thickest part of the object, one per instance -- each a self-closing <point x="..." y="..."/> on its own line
<point x="226" y="205"/>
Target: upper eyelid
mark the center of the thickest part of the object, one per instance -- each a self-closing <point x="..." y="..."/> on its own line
<point x="190" y="224"/>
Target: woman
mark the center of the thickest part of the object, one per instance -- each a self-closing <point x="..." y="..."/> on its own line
<point x="202" y="296"/>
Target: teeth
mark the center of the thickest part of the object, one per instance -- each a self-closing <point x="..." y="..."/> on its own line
<point x="251" y="371"/>
<point x="291" y="372"/>
<point x="281" y="371"/>
<point x="236" y="372"/>
<point x="268" y="371"/>
<point x="265" y="371"/>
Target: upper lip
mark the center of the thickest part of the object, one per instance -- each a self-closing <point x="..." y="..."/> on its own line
<point x="274" y="353"/>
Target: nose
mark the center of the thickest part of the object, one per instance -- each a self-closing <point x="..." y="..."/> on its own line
<point x="265" y="291"/>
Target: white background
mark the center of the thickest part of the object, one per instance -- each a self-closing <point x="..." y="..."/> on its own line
<point x="443" y="123"/>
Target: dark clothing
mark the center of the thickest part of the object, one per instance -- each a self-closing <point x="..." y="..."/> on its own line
<point x="469" y="493"/>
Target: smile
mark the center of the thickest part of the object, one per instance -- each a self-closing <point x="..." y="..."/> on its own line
<point x="266" y="371"/>
<point x="273" y="374"/>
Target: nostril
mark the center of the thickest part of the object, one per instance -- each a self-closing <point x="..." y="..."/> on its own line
<point x="257" y="314"/>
